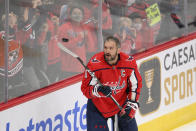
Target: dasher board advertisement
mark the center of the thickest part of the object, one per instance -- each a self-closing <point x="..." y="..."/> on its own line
<point x="169" y="84"/>
<point x="169" y="81"/>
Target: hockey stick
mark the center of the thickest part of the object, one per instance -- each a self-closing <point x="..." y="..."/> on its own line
<point x="87" y="69"/>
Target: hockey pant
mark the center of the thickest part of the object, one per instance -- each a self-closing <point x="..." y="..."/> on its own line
<point x="96" y="122"/>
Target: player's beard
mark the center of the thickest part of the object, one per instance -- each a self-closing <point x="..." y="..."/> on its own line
<point x="108" y="57"/>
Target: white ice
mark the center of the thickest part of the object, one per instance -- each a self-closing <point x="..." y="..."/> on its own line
<point x="191" y="126"/>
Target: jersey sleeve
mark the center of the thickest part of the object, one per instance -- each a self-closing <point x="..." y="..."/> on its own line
<point x="88" y="84"/>
<point x="135" y="83"/>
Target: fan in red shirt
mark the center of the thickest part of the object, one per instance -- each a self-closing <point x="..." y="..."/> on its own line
<point x="118" y="7"/>
<point x="53" y="55"/>
<point x="126" y="34"/>
<point x="144" y="33"/>
<point x="91" y="10"/>
<point x="120" y="78"/>
<point x="14" y="60"/>
<point x="139" y="6"/>
<point x="106" y="16"/>
<point x="73" y="30"/>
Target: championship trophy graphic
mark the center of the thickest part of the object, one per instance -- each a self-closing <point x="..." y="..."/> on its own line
<point x="149" y="76"/>
<point x="150" y="98"/>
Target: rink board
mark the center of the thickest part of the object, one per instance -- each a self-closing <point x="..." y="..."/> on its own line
<point x="169" y="101"/>
<point x="177" y="101"/>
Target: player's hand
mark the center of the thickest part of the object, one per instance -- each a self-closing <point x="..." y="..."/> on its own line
<point x="129" y="110"/>
<point x="102" y="90"/>
<point x="106" y="90"/>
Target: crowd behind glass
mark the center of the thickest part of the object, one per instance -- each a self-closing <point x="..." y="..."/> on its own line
<point x="37" y="26"/>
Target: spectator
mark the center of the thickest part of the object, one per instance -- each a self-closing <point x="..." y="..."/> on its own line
<point x="53" y="68"/>
<point x="171" y="23"/>
<point x="138" y="7"/>
<point x="62" y="7"/>
<point x="31" y="26"/>
<point x="73" y="30"/>
<point x="106" y="17"/>
<point x="15" y="58"/>
<point x="118" y="7"/>
<point x="63" y="13"/>
<point x="144" y="33"/>
<point x="90" y="24"/>
<point x="126" y="34"/>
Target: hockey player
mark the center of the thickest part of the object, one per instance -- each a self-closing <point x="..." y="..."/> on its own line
<point x="120" y="78"/>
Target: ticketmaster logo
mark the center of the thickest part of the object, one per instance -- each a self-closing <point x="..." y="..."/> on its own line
<point x="58" y="123"/>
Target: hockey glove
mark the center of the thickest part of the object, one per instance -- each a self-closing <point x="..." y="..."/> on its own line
<point x="129" y="110"/>
<point x="105" y="90"/>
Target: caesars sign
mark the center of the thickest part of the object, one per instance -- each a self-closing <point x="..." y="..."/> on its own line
<point x="168" y="78"/>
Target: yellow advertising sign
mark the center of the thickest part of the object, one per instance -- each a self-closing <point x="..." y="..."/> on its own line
<point x="153" y="14"/>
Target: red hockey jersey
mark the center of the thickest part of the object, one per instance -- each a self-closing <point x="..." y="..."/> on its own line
<point x="123" y="78"/>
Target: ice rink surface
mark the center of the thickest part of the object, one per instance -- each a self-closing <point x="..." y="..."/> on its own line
<point x="191" y="126"/>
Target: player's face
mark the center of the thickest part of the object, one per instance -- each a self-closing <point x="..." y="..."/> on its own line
<point x="111" y="52"/>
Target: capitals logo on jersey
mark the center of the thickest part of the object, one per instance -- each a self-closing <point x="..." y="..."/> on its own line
<point x="116" y="86"/>
<point x="95" y="60"/>
<point x="130" y="58"/>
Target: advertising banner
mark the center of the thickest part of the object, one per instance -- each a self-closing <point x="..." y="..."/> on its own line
<point x="62" y="110"/>
<point x="169" y="84"/>
<point x="169" y="81"/>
